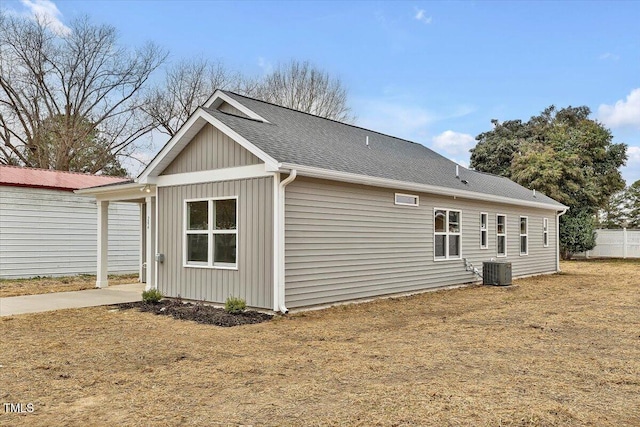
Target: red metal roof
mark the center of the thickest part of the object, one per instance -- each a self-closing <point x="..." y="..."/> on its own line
<point x="14" y="176"/>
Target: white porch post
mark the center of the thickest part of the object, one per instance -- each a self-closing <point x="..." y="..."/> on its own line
<point x="103" y="244"/>
<point x="150" y="227"/>
<point x="143" y="247"/>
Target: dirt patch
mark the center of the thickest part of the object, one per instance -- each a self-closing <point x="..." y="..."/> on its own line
<point x="560" y="350"/>
<point x="45" y="285"/>
<point x="200" y="313"/>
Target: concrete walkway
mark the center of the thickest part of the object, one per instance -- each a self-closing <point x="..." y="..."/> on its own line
<point x="75" y="299"/>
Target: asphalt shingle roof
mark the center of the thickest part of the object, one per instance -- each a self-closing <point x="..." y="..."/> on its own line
<point x="304" y="139"/>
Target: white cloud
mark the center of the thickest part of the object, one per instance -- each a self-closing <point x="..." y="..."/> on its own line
<point x="623" y="113"/>
<point x="265" y="65"/>
<point x="634" y="156"/>
<point x="421" y="16"/>
<point x="48" y="13"/>
<point x="610" y="56"/>
<point x="453" y="143"/>
<point x="402" y="121"/>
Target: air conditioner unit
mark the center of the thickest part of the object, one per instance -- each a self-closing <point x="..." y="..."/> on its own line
<point x="496" y="273"/>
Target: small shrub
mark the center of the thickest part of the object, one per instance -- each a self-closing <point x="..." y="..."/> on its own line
<point x="152" y="296"/>
<point x="235" y="305"/>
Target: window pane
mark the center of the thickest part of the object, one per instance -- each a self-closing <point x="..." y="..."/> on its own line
<point x="501" y="242"/>
<point x="197" y="215"/>
<point x="454" y="222"/>
<point x="523" y="244"/>
<point x="483" y="238"/>
<point x="225" y="214"/>
<point x="454" y="246"/>
<point x="440" y="245"/>
<point x="407" y="200"/>
<point x="546" y="239"/>
<point x="523" y="225"/>
<point x="545" y="224"/>
<point x="197" y="247"/>
<point x="483" y="221"/>
<point x="501" y="224"/>
<point x="440" y="221"/>
<point x="225" y="248"/>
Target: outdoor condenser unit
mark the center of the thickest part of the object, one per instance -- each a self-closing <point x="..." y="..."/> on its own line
<point x="496" y="273"/>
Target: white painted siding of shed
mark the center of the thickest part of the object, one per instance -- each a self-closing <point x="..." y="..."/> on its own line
<point x="347" y="241"/>
<point x="53" y="233"/>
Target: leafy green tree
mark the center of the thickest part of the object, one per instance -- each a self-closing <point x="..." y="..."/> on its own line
<point x="613" y="215"/>
<point x="577" y="232"/>
<point x="632" y="205"/>
<point x="562" y="153"/>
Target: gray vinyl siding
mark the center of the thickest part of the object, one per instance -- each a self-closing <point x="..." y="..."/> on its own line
<point x="228" y="108"/>
<point x="210" y="149"/>
<point x="345" y="242"/>
<point x="253" y="280"/>
<point x="54" y="233"/>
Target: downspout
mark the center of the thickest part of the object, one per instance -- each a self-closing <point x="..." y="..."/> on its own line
<point x="281" y="223"/>
<point x="558" y="215"/>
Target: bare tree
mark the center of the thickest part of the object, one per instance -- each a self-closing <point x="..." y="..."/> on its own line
<point x="70" y="101"/>
<point x="188" y="84"/>
<point x="301" y="86"/>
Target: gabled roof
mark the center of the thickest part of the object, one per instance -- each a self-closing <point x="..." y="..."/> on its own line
<point x="286" y="139"/>
<point x="14" y="176"/>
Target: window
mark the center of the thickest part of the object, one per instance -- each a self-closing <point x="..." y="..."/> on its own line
<point x="406" y="199"/>
<point x="545" y="231"/>
<point x="501" y="234"/>
<point x="524" y="235"/>
<point x="211" y="233"/>
<point x="484" y="243"/>
<point x="446" y="228"/>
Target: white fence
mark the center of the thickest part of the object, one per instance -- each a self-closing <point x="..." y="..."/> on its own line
<point x="620" y="243"/>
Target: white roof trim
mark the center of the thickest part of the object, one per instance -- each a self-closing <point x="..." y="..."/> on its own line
<point x="186" y="133"/>
<point x="314" y="172"/>
<point x="219" y="97"/>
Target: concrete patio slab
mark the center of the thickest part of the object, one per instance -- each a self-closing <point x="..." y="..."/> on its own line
<point x="75" y="299"/>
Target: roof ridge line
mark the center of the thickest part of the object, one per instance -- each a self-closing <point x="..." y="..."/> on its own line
<point x="336" y="121"/>
<point x="64" y="172"/>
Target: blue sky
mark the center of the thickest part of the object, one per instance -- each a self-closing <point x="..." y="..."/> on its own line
<point x="431" y="72"/>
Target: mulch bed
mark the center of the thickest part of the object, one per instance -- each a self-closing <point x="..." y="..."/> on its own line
<point x="198" y="312"/>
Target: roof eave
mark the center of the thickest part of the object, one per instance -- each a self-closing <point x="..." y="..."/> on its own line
<point x="315" y="172"/>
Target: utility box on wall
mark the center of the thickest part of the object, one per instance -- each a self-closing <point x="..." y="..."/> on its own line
<point x="496" y="273"/>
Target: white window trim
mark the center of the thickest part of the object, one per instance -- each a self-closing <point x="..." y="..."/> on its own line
<point x="484" y="230"/>
<point x="447" y="233"/>
<point x="526" y="234"/>
<point x="498" y="235"/>
<point x="545" y="232"/>
<point x="210" y="232"/>
<point x="417" y="203"/>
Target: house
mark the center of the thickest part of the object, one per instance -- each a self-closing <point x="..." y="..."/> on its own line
<point x="287" y="210"/>
<point x="47" y="230"/>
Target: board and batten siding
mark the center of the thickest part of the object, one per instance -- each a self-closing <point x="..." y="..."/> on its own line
<point x="210" y="149"/>
<point x="253" y="280"/>
<point x="345" y="242"/>
<point x="54" y="233"/>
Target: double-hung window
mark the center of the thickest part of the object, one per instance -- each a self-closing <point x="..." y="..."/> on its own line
<point x="447" y="234"/>
<point x="524" y="235"/>
<point x="545" y="232"/>
<point x="211" y="233"/>
<point x="484" y="242"/>
<point x="501" y="234"/>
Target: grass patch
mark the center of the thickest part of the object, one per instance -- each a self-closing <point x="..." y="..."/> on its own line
<point x="557" y="350"/>
<point x="45" y="285"/>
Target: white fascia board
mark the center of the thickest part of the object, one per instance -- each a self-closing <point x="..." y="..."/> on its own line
<point x="150" y="170"/>
<point x="272" y="164"/>
<point x="314" y="172"/>
<point x="215" y="175"/>
<point x="123" y="192"/>
<point x="218" y="97"/>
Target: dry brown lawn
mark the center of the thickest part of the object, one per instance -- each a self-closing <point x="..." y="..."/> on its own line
<point x="45" y="285"/>
<point x="560" y="350"/>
